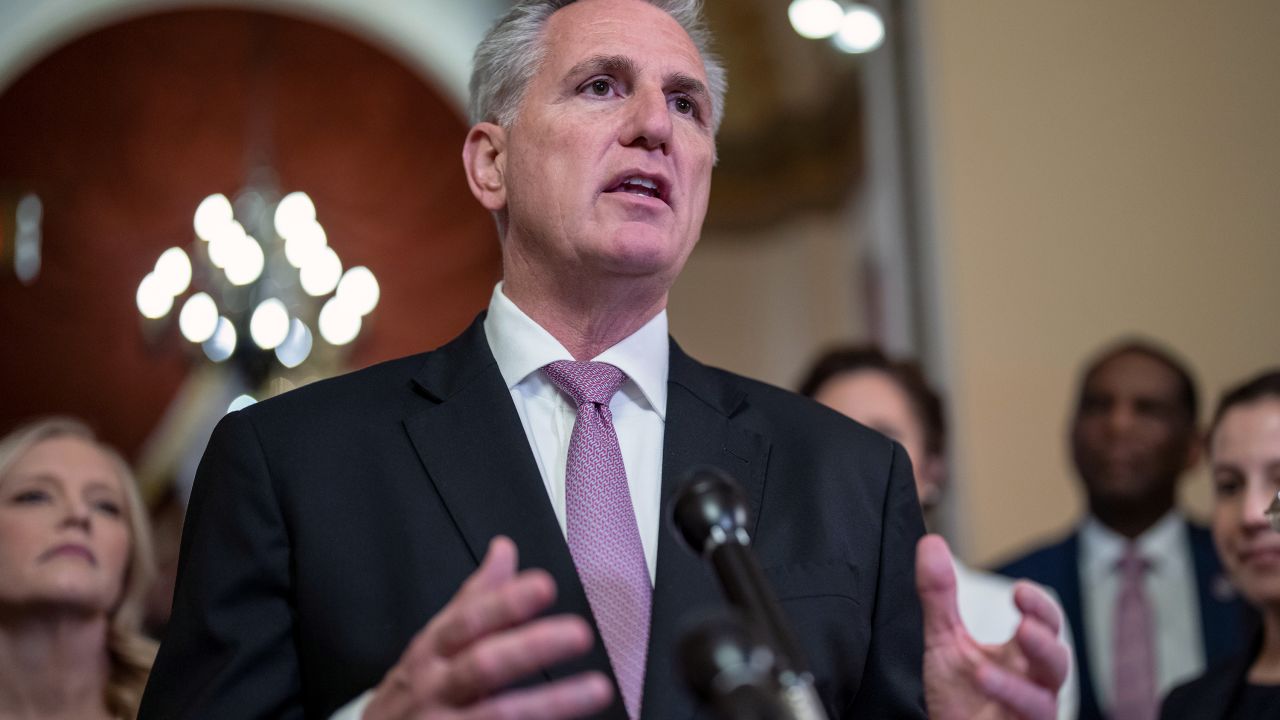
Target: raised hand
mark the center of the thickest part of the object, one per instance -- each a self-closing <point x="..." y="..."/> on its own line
<point x="487" y="637"/>
<point x="964" y="679"/>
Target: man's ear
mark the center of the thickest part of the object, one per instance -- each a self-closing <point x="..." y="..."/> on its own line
<point x="932" y="478"/>
<point x="484" y="160"/>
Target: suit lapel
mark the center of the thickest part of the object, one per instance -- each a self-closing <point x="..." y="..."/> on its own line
<point x="700" y="430"/>
<point x="1073" y="607"/>
<point x="475" y="451"/>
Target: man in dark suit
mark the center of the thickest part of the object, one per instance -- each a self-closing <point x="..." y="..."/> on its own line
<point x="1134" y="433"/>
<point x="357" y="538"/>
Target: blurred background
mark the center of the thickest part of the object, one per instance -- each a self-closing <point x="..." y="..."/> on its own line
<point x="997" y="186"/>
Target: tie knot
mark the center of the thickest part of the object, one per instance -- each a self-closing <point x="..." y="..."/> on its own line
<point x="1133" y="562"/>
<point x="585" y="382"/>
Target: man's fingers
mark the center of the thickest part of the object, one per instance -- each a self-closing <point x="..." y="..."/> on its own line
<point x="1024" y="698"/>
<point x="936" y="584"/>
<point x="472" y="616"/>
<point x="497" y="661"/>
<point x="574" y="697"/>
<point x="1035" y="603"/>
<point x="1047" y="658"/>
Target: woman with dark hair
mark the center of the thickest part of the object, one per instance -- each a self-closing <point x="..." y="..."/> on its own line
<point x="893" y="397"/>
<point x="75" y="564"/>
<point x="1244" y="456"/>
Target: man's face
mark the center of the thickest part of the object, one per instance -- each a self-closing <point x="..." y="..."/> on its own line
<point x="607" y="165"/>
<point x="1131" y="437"/>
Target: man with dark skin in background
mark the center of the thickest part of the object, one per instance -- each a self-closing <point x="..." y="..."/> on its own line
<point x="1133" y="435"/>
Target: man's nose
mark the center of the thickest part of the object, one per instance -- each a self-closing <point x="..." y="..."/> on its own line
<point x="1121" y="417"/>
<point x="648" y="120"/>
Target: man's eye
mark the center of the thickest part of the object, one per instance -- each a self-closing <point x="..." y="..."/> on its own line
<point x="599" y="87"/>
<point x="685" y="106"/>
<point x="1093" y="405"/>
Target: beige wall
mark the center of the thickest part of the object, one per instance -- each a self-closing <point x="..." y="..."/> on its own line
<point x="764" y="303"/>
<point x="1098" y="168"/>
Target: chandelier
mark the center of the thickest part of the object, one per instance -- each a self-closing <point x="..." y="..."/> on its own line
<point x="257" y="286"/>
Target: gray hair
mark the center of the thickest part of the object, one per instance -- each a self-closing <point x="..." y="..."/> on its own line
<point x="512" y="51"/>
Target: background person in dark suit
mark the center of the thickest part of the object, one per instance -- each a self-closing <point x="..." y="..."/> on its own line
<point x="1244" y="456"/>
<point x="335" y="532"/>
<point x="1133" y="435"/>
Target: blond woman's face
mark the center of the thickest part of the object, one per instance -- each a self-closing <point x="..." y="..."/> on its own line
<point x="64" y="528"/>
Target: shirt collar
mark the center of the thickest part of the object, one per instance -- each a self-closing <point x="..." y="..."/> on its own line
<point x="521" y="347"/>
<point x="1101" y="547"/>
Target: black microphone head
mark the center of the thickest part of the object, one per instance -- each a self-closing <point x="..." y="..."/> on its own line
<point x="710" y="509"/>
<point x="729" y="667"/>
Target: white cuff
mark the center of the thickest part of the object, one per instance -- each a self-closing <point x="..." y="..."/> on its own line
<point x="353" y="710"/>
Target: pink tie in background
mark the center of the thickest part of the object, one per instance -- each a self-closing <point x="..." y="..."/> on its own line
<point x="1135" y="662"/>
<point x="601" y="524"/>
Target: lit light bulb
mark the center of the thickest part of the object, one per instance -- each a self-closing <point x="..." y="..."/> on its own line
<point x="245" y="262"/>
<point x="154" y="300"/>
<point x="300" y="246"/>
<point x="294" y="213"/>
<point x="199" y="318"/>
<point x="861" y="30"/>
<point x="339" y="323"/>
<point x="359" y="289"/>
<point x="269" y="324"/>
<point x="173" y="267"/>
<point x="241" y="402"/>
<point x="296" y="347"/>
<point x="212" y="214"/>
<point x="815" y="19"/>
<point x="224" y="242"/>
<point x="223" y="343"/>
<point x="321" y="273"/>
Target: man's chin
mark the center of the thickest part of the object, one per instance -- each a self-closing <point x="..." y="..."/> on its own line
<point x="641" y="250"/>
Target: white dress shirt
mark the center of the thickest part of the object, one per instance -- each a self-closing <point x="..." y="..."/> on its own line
<point x="988" y="613"/>
<point x="639" y="408"/>
<point x="1171" y="590"/>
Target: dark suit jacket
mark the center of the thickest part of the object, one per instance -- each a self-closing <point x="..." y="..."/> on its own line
<point x="1212" y="695"/>
<point x="328" y="525"/>
<point x="1224" y="618"/>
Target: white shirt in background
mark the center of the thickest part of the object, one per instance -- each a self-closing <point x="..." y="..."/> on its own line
<point x="1170" y="587"/>
<point x="988" y="613"/>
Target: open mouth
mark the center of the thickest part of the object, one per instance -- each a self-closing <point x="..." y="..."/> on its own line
<point x="642" y="185"/>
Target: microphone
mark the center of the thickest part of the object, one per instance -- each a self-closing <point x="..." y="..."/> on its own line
<point x="710" y="513"/>
<point x="731" y="670"/>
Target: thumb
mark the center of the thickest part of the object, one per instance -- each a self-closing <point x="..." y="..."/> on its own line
<point x="936" y="585"/>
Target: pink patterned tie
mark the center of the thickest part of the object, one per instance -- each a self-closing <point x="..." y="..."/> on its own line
<point x="1134" y="652"/>
<point x="601" y="524"/>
